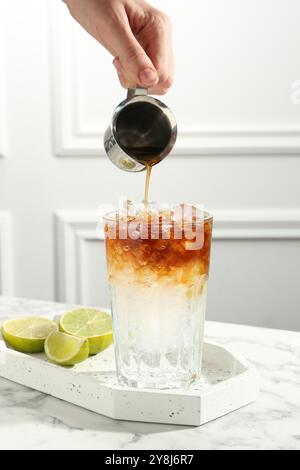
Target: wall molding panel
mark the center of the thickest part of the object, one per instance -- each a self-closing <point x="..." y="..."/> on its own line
<point x="74" y="137"/>
<point x="6" y="255"/>
<point x="75" y="229"/>
<point x="3" y="127"/>
<point x="256" y="224"/>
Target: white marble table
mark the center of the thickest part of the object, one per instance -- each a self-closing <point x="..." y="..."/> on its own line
<point x="32" y="420"/>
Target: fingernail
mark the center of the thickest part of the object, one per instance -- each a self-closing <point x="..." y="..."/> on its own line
<point x="148" y="77"/>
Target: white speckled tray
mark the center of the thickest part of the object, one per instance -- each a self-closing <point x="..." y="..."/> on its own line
<point x="228" y="383"/>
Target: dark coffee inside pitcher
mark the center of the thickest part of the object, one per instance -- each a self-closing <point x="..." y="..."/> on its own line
<point x="143" y="131"/>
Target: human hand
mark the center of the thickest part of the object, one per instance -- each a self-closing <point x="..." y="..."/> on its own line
<point x="136" y="34"/>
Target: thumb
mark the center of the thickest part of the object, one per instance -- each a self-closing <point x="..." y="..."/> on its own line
<point x="137" y="67"/>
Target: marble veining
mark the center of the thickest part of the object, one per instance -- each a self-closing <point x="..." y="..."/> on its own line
<point x="29" y="419"/>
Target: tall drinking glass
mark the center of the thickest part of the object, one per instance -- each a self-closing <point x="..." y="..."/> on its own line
<point x="158" y="277"/>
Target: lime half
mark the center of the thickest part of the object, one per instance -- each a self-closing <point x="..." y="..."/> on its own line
<point x="66" y="350"/>
<point x="89" y="323"/>
<point x="27" y="334"/>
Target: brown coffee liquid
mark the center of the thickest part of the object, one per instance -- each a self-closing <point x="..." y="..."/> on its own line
<point x="148" y="156"/>
<point x="145" y="155"/>
<point x="146" y="197"/>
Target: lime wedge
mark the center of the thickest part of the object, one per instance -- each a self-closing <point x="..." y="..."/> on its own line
<point x="27" y="334"/>
<point x="89" y="323"/>
<point x="66" y="350"/>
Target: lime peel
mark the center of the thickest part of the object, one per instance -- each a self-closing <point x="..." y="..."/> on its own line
<point x="91" y="324"/>
<point x="27" y="334"/>
<point x="66" y="350"/>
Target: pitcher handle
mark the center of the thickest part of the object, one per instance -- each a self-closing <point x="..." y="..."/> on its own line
<point x="138" y="91"/>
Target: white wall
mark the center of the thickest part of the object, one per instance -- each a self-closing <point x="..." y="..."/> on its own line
<point x="238" y="152"/>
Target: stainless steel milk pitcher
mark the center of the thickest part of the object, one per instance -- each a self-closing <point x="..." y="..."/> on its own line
<point x="142" y="132"/>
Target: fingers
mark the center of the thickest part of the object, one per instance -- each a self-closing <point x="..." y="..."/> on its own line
<point x="136" y="33"/>
<point x="133" y="62"/>
<point x="163" y="86"/>
<point x="160" y="51"/>
<point x="159" y="89"/>
<point x="144" y="51"/>
<point x="138" y="66"/>
<point x="121" y="74"/>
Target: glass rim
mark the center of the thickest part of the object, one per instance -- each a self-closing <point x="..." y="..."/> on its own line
<point x="111" y="217"/>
